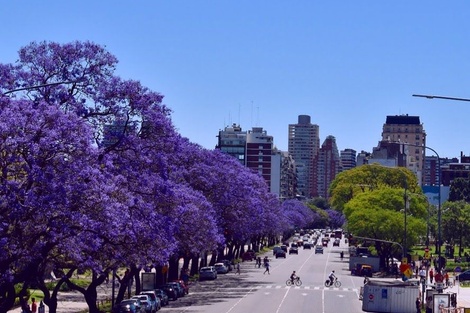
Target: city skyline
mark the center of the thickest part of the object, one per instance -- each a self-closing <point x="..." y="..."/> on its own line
<point x="261" y="64"/>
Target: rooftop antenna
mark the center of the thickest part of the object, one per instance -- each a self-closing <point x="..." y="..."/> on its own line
<point x="239" y="109"/>
<point x="257" y="116"/>
<point x="251" y="122"/>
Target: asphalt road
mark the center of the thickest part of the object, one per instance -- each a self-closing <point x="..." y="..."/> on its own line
<point x="253" y="291"/>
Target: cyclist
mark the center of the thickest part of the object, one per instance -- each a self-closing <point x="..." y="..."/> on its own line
<point x="332" y="276"/>
<point x="293" y="276"/>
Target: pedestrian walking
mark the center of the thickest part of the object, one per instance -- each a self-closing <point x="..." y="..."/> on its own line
<point x="418" y="305"/>
<point x="431" y="275"/>
<point x="258" y="260"/>
<point x="238" y="268"/>
<point x="267" y="268"/>
<point x="34" y="306"/>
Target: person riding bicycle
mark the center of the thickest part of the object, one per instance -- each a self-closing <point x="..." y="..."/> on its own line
<point x="293" y="276"/>
<point x="332" y="276"/>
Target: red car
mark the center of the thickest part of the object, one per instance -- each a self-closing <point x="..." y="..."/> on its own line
<point x="183" y="285"/>
<point x="249" y="256"/>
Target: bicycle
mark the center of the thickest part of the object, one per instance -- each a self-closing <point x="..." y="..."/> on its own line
<point x="335" y="283"/>
<point x="296" y="282"/>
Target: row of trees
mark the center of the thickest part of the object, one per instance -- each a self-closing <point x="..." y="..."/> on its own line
<point x="76" y="194"/>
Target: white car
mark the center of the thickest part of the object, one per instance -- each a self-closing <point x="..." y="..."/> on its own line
<point x="207" y="272"/>
<point x="221" y="268"/>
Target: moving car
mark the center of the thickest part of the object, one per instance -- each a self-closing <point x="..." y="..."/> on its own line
<point x="280" y="254"/>
<point x="275" y="249"/>
<point x="336" y="242"/>
<point x="307" y="246"/>
<point x="318" y="249"/>
<point x="294" y="250"/>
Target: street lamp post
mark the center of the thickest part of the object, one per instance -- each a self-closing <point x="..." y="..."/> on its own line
<point x="439" y="265"/>
<point x="439" y="164"/>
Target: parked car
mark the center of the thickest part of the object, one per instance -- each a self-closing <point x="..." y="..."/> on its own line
<point x="227" y="264"/>
<point x="145" y="303"/>
<point x="280" y="254"/>
<point x="207" y="272"/>
<point x="127" y="306"/>
<point x="170" y="291"/>
<point x="178" y="288"/>
<point x="163" y="296"/>
<point x="362" y="270"/>
<point x="294" y="250"/>
<point x="221" y="268"/>
<point x="183" y="285"/>
<point x="154" y="300"/>
<point x="464" y="276"/>
<point x="318" y="249"/>
<point x="249" y="255"/>
<point x="138" y="308"/>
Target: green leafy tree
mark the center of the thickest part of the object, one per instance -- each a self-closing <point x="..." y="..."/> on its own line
<point x="350" y="183"/>
<point x="455" y="223"/>
<point x="460" y="190"/>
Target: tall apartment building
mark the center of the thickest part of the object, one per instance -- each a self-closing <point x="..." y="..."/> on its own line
<point x="283" y="175"/>
<point x="232" y="140"/>
<point x="348" y="159"/>
<point x="255" y="149"/>
<point x="327" y="165"/>
<point x="303" y="145"/>
<point x="408" y="129"/>
<point x="259" y="150"/>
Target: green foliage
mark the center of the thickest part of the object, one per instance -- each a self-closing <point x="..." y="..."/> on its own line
<point x="82" y="282"/>
<point x="455" y="223"/>
<point x="372" y="198"/>
<point x="460" y="190"/>
<point x="350" y="183"/>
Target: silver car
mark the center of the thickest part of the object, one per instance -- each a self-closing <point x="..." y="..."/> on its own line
<point x="207" y="272"/>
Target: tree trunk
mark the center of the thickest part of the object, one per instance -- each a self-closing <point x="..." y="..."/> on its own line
<point x="194" y="265"/>
<point x="173" y="270"/>
<point x="7" y="297"/>
<point x="213" y="258"/>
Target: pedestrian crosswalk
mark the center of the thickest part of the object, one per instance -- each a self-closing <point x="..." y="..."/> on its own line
<point x="305" y="287"/>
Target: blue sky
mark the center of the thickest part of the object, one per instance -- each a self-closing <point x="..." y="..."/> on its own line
<point x="347" y="64"/>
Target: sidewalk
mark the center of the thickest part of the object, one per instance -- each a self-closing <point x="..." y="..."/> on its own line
<point x="73" y="302"/>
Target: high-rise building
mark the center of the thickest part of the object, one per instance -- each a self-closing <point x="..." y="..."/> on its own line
<point x="327" y="165"/>
<point x="232" y="140"/>
<point x="303" y="145"/>
<point x="348" y="159"/>
<point x="407" y="129"/>
<point x="283" y="175"/>
<point x="259" y="149"/>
